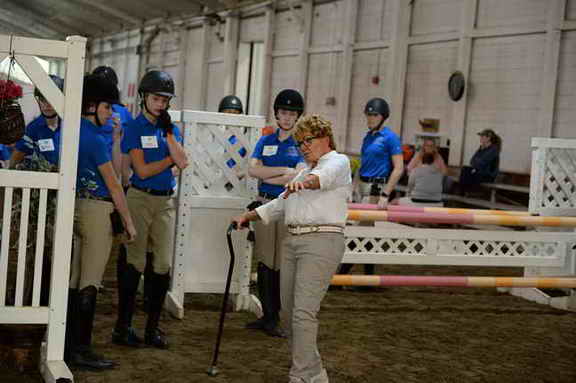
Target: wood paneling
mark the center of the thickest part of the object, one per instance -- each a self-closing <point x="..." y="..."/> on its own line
<point x="504" y="95"/>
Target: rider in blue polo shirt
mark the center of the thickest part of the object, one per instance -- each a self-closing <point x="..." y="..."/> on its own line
<point x="382" y="162"/>
<point x="154" y="146"/>
<point x="42" y="135"/>
<point x="115" y="126"/>
<point x="99" y="192"/>
<point x="275" y="161"/>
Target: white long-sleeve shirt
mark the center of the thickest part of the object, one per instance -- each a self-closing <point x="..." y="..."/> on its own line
<point x="324" y="206"/>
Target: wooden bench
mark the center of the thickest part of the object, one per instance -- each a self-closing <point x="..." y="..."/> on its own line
<point x="495" y="187"/>
<point x="492" y="204"/>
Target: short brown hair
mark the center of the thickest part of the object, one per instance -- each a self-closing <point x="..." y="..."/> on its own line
<point x="315" y="126"/>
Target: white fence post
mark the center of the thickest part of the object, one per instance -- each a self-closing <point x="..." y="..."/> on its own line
<point x="68" y="107"/>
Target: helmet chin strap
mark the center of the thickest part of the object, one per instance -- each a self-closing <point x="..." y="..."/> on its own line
<point x="48" y="116"/>
<point x="96" y="118"/>
<point x="148" y="110"/>
<point x="377" y="128"/>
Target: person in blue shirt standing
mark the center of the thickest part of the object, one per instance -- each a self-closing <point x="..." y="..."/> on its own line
<point x="154" y="146"/>
<point x="275" y="161"/>
<point x="232" y="105"/>
<point x="114" y="127"/>
<point x="42" y="135"/>
<point x="98" y="193"/>
<point x="382" y="162"/>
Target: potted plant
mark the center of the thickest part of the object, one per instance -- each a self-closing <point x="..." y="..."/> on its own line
<point x="11" y="118"/>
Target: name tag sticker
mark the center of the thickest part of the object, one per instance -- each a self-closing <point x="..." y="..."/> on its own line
<point x="46" y="145"/>
<point x="149" y="142"/>
<point x="270" y="150"/>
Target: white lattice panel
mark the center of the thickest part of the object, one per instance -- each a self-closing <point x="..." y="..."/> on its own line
<point x="456" y="247"/>
<point x="553" y="181"/>
<point x="212" y="189"/>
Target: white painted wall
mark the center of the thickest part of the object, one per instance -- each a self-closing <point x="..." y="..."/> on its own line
<point x="565" y="121"/>
<point x="404" y="51"/>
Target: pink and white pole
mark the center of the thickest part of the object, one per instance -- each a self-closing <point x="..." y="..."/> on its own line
<point x="451" y="281"/>
<point x="424" y="209"/>
<point x="463" y="219"/>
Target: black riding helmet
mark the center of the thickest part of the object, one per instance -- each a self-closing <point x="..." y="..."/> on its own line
<point x="106" y="72"/>
<point x="379" y="106"/>
<point x="230" y="102"/>
<point x="98" y="89"/>
<point x="157" y="82"/>
<point x="289" y="99"/>
<point x="58" y="81"/>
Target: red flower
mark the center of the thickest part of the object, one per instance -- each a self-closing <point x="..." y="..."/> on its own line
<point x="9" y="90"/>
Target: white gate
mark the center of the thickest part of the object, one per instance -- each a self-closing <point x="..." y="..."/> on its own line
<point x="212" y="189"/>
<point x="23" y="183"/>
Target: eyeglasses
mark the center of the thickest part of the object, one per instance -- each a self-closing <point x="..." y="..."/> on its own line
<point x="306" y="141"/>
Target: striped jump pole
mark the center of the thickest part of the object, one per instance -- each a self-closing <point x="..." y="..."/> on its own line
<point x="451" y="281"/>
<point x="462" y="219"/>
<point x="445" y="210"/>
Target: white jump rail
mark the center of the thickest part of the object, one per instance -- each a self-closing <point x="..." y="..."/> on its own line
<point x="210" y="192"/>
<point x="68" y="106"/>
<point x="457" y="247"/>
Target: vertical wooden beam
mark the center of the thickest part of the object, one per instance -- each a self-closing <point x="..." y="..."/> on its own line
<point x="163" y="43"/>
<point x="459" y="108"/>
<point x="349" y="33"/>
<point x="396" y="76"/>
<point x="306" y="30"/>
<point x="231" y="52"/>
<point x="182" y="59"/>
<point x="204" y="51"/>
<point x="556" y="14"/>
<point x="267" y="64"/>
<point x="66" y="197"/>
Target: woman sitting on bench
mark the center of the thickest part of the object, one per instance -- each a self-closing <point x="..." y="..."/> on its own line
<point x="424" y="184"/>
<point x="485" y="163"/>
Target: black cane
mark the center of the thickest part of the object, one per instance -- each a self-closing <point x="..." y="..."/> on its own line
<point x="213" y="370"/>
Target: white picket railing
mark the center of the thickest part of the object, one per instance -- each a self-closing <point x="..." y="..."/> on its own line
<point x="18" y="185"/>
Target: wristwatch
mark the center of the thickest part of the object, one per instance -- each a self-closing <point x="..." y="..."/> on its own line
<point x="384" y="194"/>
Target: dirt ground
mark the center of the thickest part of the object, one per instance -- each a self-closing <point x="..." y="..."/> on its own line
<point x="401" y="335"/>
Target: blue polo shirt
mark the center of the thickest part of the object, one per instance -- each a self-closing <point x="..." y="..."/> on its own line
<point x="92" y="153"/>
<point x="273" y="152"/>
<point x="39" y="138"/>
<point x="377" y="152"/>
<point x="5" y="152"/>
<point x="141" y="134"/>
<point x="108" y="128"/>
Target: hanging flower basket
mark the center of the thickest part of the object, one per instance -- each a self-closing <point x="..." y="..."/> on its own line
<point x="11" y="118"/>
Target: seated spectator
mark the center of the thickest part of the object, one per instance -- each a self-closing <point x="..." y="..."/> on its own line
<point x="428" y="147"/>
<point x="485" y="164"/>
<point x="424" y="184"/>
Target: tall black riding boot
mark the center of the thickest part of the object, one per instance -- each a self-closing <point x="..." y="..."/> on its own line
<point x="261" y="283"/>
<point x="269" y="294"/>
<point x="69" y="341"/>
<point x="147" y="271"/>
<point x="159" y="284"/>
<point x="272" y="327"/>
<point x="123" y="333"/>
<point x="121" y="263"/>
<point x="83" y="356"/>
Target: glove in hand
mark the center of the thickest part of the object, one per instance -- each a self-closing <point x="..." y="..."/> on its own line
<point x="165" y="122"/>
